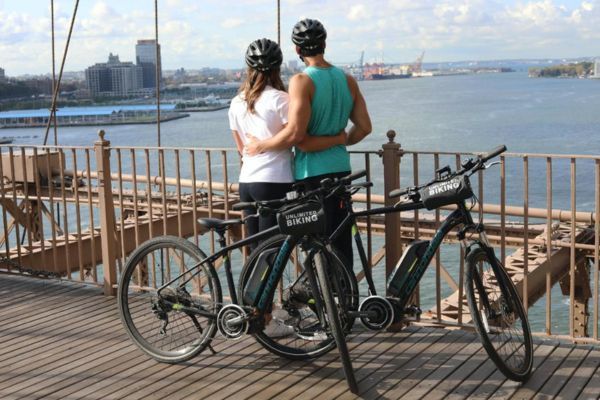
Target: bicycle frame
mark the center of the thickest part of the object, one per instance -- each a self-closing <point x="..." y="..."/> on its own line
<point x="460" y="216"/>
<point x="223" y="252"/>
<point x="266" y="292"/>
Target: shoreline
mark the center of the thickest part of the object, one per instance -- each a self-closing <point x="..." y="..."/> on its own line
<point x="101" y="123"/>
<point x="205" y="109"/>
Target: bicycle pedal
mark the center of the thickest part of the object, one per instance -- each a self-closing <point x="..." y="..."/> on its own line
<point x="413" y="311"/>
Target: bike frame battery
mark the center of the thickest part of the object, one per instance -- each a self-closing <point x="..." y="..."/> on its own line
<point x="259" y="275"/>
<point x="407" y="262"/>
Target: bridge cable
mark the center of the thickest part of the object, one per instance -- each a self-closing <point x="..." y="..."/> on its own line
<point x="62" y="66"/>
<point x="157" y="70"/>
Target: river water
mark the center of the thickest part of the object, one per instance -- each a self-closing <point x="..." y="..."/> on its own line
<point x="452" y="113"/>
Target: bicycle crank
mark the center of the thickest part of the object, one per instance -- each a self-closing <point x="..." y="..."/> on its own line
<point x="232" y="321"/>
<point x="377" y="313"/>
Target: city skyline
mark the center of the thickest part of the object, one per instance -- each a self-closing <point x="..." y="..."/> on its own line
<point x="194" y="36"/>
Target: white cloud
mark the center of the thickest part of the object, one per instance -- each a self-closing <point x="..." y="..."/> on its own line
<point x="232" y="23"/>
<point x="194" y="34"/>
<point x="587" y="6"/>
<point x="358" y="11"/>
<point x="540" y="13"/>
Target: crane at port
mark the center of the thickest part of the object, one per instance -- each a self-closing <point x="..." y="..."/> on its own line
<point x="417" y="66"/>
<point x="357" y="69"/>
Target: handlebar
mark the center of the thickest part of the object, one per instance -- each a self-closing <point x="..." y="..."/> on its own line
<point x="354" y="176"/>
<point x="400" y="192"/>
<point x="328" y="186"/>
<point x="496" y="152"/>
<point x="469" y="165"/>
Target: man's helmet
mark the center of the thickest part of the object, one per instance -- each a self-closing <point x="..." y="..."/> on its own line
<point x="309" y="34"/>
<point x="264" y="55"/>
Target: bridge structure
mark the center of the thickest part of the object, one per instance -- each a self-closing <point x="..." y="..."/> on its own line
<point x="76" y="214"/>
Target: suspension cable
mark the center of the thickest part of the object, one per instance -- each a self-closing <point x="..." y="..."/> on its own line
<point x="62" y="66"/>
<point x="279" y="22"/>
<point x="53" y="114"/>
<point x="157" y="70"/>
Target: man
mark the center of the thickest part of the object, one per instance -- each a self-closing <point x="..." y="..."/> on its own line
<point x="322" y="100"/>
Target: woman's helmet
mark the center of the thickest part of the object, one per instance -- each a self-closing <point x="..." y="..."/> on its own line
<point x="309" y="34"/>
<point x="264" y="55"/>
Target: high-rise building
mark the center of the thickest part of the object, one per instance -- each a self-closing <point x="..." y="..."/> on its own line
<point x="145" y="57"/>
<point x="597" y="69"/>
<point x="114" y="78"/>
<point x="2" y="76"/>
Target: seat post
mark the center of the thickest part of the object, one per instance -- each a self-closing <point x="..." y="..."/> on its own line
<point x="221" y="239"/>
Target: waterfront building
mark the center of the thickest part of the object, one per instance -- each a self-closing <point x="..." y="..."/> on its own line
<point x="2" y="76"/>
<point x="146" y="58"/>
<point x="114" y="78"/>
<point x="73" y="116"/>
<point x="597" y="69"/>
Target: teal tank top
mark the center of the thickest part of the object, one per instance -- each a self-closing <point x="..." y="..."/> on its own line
<point x="331" y="105"/>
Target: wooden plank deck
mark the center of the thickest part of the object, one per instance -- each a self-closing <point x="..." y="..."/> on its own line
<point x="61" y="340"/>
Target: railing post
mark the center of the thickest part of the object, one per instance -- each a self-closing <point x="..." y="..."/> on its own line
<point x="107" y="214"/>
<point x="391" y="180"/>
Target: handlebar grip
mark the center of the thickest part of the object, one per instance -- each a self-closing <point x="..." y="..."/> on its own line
<point x="364" y="184"/>
<point x="354" y="176"/>
<point x="497" y="151"/>
<point x="398" y="192"/>
<point x="243" y="206"/>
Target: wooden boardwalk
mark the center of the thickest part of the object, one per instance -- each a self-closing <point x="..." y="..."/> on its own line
<point x="62" y="340"/>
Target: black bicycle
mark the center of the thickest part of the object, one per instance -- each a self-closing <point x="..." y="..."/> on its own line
<point x="495" y="307"/>
<point x="171" y="303"/>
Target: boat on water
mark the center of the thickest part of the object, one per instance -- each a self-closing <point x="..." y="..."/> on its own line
<point x="379" y="77"/>
<point x="6" y="140"/>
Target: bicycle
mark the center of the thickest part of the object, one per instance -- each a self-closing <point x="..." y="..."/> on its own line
<point x="494" y="303"/>
<point x="170" y="298"/>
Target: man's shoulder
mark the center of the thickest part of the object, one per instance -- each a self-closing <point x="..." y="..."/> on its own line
<point x="301" y="82"/>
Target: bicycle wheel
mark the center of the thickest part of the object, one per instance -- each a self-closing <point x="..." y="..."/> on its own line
<point x="329" y="284"/>
<point x="292" y="328"/>
<point x="499" y="316"/>
<point x="163" y="325"/>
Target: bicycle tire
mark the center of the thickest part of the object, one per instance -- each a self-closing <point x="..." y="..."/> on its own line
<point x="289" y="340"/>
<point x="333" y="315"/>
<point x="512" y="354"/>
<point x="143" y="312"/>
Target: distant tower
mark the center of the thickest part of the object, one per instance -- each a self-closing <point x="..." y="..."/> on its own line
<point x="597" y="69"/>
<point x="145" y="57"/>
<point x="2" y="76"/>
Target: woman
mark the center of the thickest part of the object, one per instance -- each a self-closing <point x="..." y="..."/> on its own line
<point x="261" y="108"/>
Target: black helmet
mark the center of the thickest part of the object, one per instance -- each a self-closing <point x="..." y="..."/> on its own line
<point x="264" y="55"/>
<point x="309" y="34"/>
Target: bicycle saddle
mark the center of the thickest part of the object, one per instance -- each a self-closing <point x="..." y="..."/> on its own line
<point x="218" y="225"/>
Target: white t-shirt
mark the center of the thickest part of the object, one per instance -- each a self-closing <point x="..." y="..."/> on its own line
<point x="269" y="117"/>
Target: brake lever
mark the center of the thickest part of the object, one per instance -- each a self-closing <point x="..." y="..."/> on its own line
<point x="489" y="165"/>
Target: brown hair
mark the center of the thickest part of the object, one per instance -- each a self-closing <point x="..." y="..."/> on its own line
<point x="255" y="83"/>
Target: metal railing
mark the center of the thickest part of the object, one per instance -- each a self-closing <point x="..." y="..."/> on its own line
<point x="77" y="212"/>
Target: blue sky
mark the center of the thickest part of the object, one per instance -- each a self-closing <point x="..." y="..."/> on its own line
<point x="196" y="34"/>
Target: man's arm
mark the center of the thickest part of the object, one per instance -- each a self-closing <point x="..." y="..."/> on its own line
<point x="318" y="143"/>
<point x="361" y="122"/>
<point x="300" y="92"/>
